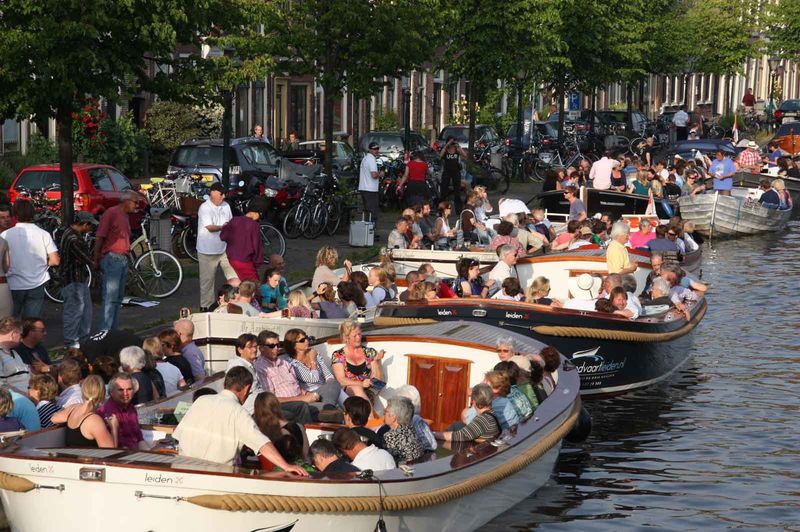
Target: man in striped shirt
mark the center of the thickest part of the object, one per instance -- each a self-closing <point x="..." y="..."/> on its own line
<point x="75" y="257"/>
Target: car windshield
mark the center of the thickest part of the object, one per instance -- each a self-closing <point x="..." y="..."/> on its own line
<point x="612" y="116"/>
<point x="387" y="143"/>
<point x="259" y="153"/>
<point x="792" y="128"/>
<point x="198" y="156"/>
<point x="39" y="179"/>
<point x="461" y="134"/>
<point x="790" y="105"/>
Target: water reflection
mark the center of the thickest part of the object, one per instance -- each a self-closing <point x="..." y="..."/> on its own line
<point x="717" y="445"/>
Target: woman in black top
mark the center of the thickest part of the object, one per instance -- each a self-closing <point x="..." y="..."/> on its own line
<point x="551" y="181"/>
<point x="170" y="341"/>
<point x="289" y="438"/>
<point x="451" y="156"/>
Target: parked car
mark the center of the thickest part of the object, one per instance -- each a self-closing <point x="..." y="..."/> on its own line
<point x="619" y="120"/>
<point x="581" y="125"/>
<point x="248" y="157"/>
<point x="96" y="186"/>
<point x="483" y="133"/>
<point x="789" y="111"/>
<point x="344" y="158"/>
<point x="392" y="143"/>
<point x="545" y="131"/>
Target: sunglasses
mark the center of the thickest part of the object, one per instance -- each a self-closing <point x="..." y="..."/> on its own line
<point x="268" y="346"/>
<point x="672" y="234"/>
<point x="304" y="339"/>
<point x="504" y="350"/>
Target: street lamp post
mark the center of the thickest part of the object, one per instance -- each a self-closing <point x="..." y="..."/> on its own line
<point x="520" y="87"/>
<point x="687" y="74"/>
<point x="773" y="63"/>
<point x="405" y="83"/>
<point x="227" y="99"/>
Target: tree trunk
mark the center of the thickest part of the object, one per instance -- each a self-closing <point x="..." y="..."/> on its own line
<point x="560" y="96"/>
<point x="327" y="125"/>
<point x="471" y="111"/>
<point x="641" y="95"/>
<point x="64" y="133"/>
<point x="593" y="111"/>
<point x="629" y="111"/>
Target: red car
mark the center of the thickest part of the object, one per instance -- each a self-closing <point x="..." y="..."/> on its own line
<point x="97" y="186"/>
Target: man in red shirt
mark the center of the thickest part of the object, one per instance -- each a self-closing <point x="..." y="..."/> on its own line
<point x="111" y="255"/>
<point x="749" y="100"/>
<point x="129" y="433"/>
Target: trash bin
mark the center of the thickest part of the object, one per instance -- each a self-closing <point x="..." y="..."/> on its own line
<point x="161" y="228"/>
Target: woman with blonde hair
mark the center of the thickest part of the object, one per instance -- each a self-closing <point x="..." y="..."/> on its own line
<point x="783" y="194"/>
<point x="327" y="257"/>
<point x="299" y="307"/>
<point x="539" y="291"/>
<point x="84" y="427"/>
<point x="640" y="185"/>
<point x="355" y="365"/>
<point x="381" y="285"/>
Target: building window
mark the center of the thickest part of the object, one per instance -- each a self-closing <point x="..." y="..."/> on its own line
<point x="10" y="135"/>
<point x="258" y="104"/>
<point x="337" y="115"/>
<point x="437" y="107"/>
<point x="298" y="110"/>
<point x="241" y="111"/>
<point x="280" y="132"/>
<point x="391" y="105"/>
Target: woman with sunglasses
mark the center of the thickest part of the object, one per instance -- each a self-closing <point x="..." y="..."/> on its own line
<point x="310" y="367"/>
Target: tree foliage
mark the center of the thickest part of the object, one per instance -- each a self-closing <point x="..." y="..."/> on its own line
<point x="351" y="45"/>
<point x="783" y="28"/>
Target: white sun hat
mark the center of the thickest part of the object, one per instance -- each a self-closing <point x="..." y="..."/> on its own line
<point x="584" y="286"/>
<point x="512" y="206"/>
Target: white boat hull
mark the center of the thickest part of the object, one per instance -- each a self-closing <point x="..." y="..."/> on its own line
<point x="214" y="333"/>
<point x="444" y="262"/>
<point x="736" y="215"/>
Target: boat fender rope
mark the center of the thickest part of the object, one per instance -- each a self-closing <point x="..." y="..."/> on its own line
<point x="249" y="502"/>
<point x="622" y="336"/>
<point x="388" y="321"/>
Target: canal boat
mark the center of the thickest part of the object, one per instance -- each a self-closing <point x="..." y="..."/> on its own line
<point x="613" y="354"/>
<point x="460" y="487"/>
<point x="751" y="180"/>
<point x="611" y="201"/>
<point x="739" y="214"/>
<point x="443" y="262"/>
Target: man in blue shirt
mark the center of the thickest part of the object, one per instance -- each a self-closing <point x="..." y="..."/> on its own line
<point x="24" y="411"/>
<point x="723" y="170"/>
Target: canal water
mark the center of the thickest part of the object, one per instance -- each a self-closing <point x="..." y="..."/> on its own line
<point x="718" y="444"/>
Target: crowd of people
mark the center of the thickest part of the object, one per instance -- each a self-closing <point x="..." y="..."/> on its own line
<point x="647" y="177"/>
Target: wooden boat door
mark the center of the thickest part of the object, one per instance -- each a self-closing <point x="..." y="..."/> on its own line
<point x="443" y="384"/>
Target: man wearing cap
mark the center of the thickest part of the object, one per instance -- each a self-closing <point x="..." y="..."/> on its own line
<point x="749" y="160"/>
<point x="723" y="170"/>
<point x="369" y="180"/>
<point x="212" y="216"/>
<point x="111" y="251"/>
<point x="75" y="258"/>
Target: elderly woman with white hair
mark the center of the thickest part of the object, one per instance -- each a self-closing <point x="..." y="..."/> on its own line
<point x="132" y="359"/>
<point x="617" y="258"/>
<point x="401" y="440"/>
<point x="421" y="427"/>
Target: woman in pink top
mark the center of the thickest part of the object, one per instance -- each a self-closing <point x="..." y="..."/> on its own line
<point x="644" y="235"/>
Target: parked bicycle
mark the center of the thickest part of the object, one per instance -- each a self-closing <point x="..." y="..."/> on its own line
<point x="321" y="208"/>
<point x="549" y="160"/>
<point x="152" y="272"/>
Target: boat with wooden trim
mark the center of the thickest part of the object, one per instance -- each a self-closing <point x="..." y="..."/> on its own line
<point x="751" y="180"/>
<point x="215" y="333"/>
<point x="443" y="262"/>
<point x="613" y="354"/>
<point x="739" y="214"/>
<point x="612" y="201"/>
<point x="460" y="487"/>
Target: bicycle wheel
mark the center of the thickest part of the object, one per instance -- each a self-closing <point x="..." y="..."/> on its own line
<point x="158" y="273"/>
<point x="317" y="222"/>
<point x="334" y="216"/>
<point x="295" y="221"/>
<point x="189" y="242"/>
<point x="540" y="169"/>
<point x="637" y="145"/>
<point x="272" y="241"/>
<point x="716" y="132"/>
<point x="52" y="288"/>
